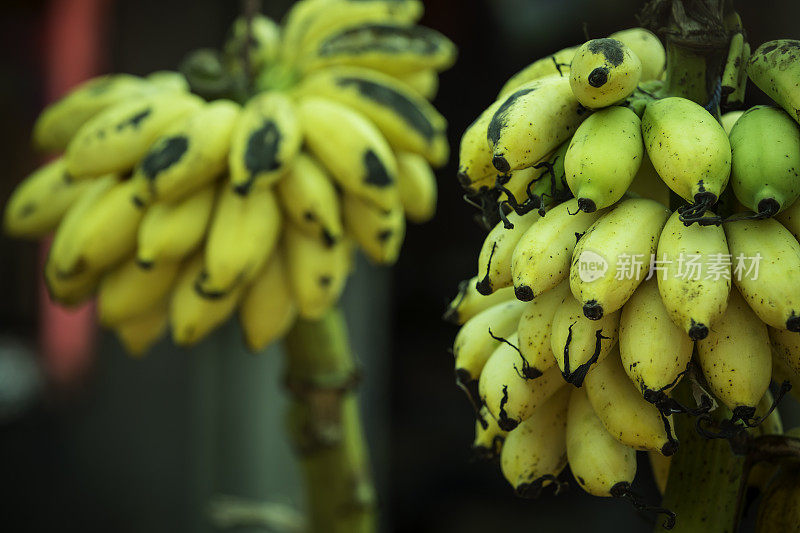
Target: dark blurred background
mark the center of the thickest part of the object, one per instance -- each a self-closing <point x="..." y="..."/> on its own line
<point x="122" y="445"/>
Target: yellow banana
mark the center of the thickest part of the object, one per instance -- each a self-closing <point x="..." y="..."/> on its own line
<point x="268" y="309"/>
<point x="623" y="242"/>
<point x="114" y="140"/>
<point x="786" y="345"/>
<point x="129" y="290"/>
<point x="660" y="467"/>
<point x="310" y="200"/>
<point x="351" y="148"/>
<point x="488" y="436"/>
<point x="469" y="302"/>
<point x="497" y="250"/>
<point x="39" y="202"/>
<point x="378" y="233"/>
<point x="168" y="80"/>
<point x="264" y="45"/>
<point x="773" y="68"/>
<point x="424" y="82"/>
<point x="557" y="63"/>
<point x="264" y="142"/>
<point x="139" y="333"/>
<point x="70" y="291"/>
<point x="416" y="185"/>
<point x="604" y="72"/>
<point x="534" y="329"/>
<point x="790" y="218"/>
<point x="648" y="48"/>
<point x="475" y="169"/>
<point x="244" y="231"/>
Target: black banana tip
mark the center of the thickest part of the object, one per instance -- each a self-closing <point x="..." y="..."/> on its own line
<point x="593" y="310"/>
<point x="669" y="448"/>
<point x="523" y="293"/>
<point x="768" y="207"/>
<point x="500" y="163"/>
<point x="698" y="332"/>
<point x="463" y="376"/>
<point x="143" y="264"/>
<point x="586" y="205"/>
<point x="793" y="324"/>
<point x="598" y="77"/>
<point x="242" y="189"/>
<point x="484" y="286"/>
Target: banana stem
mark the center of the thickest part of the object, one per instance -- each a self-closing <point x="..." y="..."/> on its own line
<point x="325" y="426"/>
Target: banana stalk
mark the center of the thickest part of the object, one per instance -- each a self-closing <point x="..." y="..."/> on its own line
<point x="325" y="426"/>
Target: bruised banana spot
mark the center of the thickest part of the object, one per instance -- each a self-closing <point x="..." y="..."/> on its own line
<point x="610" y="48"/>
<point x="377" y="174"/>
<point x="500" y="120"/>
<point x="384" y="236"/>
<point x="164" y="155"/>
<point x="135" y="121"/>
<point x="325" y="281"/>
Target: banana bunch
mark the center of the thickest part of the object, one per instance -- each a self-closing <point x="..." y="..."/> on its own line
<point x="594" y="296"/>
<point x="175" y="210"/>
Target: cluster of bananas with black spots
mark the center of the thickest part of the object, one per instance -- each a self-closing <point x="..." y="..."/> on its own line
<point x="607" y="278"/>
<point x="175" y="210"/>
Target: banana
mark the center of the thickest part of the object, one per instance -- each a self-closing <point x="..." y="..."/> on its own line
<point x="510" y="396"/>
<point x="408" y="121"/>
<point x="765" y="160"/>
<point x="475" y="169"/>
<point x="170" y="232"/>
<point x="310" y="200"/>
<point x="417" y="187"/>
<point x="604" y="72"/>
<point x="317" y="272"/>
<point x="648" y="184"/>
<point x="267" y="310"/>
<point x="625" y="414"/>
<point x="654" y="351"/>
<point x="736" y="98"/>
<point x="193" y="316"/>
<point x="489" y="437"/>
<point x="659" y="465"/>
<point x="139" y="333"/>
<point x="39" y="202"/>
<point x="104" y="236"/>
<point x="379" y="233"/>
<point x="474" y="344"/>
<point x="264" y="142"/>
<point x="243" y="232"/>
<point x="351" y="148"/>
<point x="773" y="290"/>
<point x="536" y="451"/>
<point x="542" y="256"/>
<point x="790" y="218"/>
<point x="532" y="122"/>
<point x="70" y="291"/>
<point x="424" y="82"/>
<point x="728" y="120"/>
<point x="114" y="140"/>
<point x="689" y="149"/>
<point x="786" y="345"/>
<point x="648" y="48"/>
<point x="497" y="250"/>
<point x="129" y="290"/>
<point x="601" y="464"/>
<point x="557" y="63"/>
<point x="390" y="47"/>
<point x="541" y="186"/>
<point x="623" y="241"/>
<point x="263" y="47"/>
<point x="61" y="120"/>
<point x="469" y="302"/>
<point x="603" y="157"/>
<point x="780" y="507"/>
<point x="578" y="343"/>
<point x="736" y="359"/>
<point x="188" y="155"/>
<point x="773" y="68"/>
<point x="535" y="325"/>
<point x="695" y="280"/>
<point x="168" y="80"/>
<point x="733" y="65"/>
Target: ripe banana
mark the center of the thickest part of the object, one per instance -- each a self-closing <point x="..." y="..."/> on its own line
<point x="379" y="233"/>
<point x="604" y="72"/>
<point x="648" y="48"/>
<point x="494" y="260"/>
<point x="774" y="69"/>
<point x="654" y="351"/>
<point x="171" y="232"/>
<point x="416" y="185"/>
<point x="168" y="80"/>
<point x="772" y="289"/>
<point x="736" y="358"/>
<point x="532" y="122"/>
<point x="310" y="200"/>
<point x="689" y="149"/>
<point x="534" y="329"/>
<point x="129" y="290"/>
<point x="601" y="464"/>
<point x="469" y="302"/>
<point x="557" y="63"/>
<point x="660" y="468"/>
<point x="188" y="155"/>
<point x="625" y="414"/>
<point x="267" y="310"/>
<point x="765" y="160"/>
<point x="786" y="345"/>
<point x="264" y="141"/>
<point x="790" y="218"/>
<point x="39" y="202"/>
<point x="623" y="241"/>
<point x="489" y="437"/>
<point x="424" y="82"/>
<point x="139" y="333"/>
<point x="578" y="343"/>
<point x="117" y="138"/>
<point x="317" y="272"/>
<point x="543" y="254"/>
<point x="536" y="451"/>
<point x="408" y="121"/>
<point x="474" y="344"/>
<point x="264" y="44"/>
<point x="603" y="157"/>
<point x="241" y="236"/>
<point x="475" y="169"/>
<point x="351" y="148"/>
<point x="648" y="184"/>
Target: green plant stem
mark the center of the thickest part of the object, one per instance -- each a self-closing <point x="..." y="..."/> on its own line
<point x="325" y="426"/>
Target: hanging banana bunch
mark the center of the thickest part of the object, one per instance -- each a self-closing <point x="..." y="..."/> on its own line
<point x="246" y="181"/>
